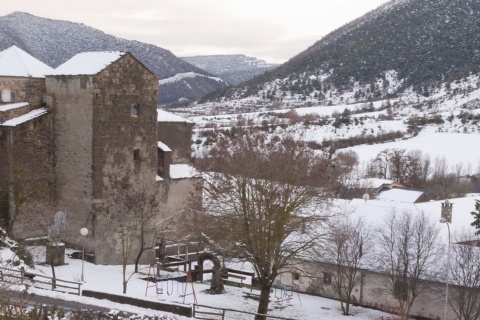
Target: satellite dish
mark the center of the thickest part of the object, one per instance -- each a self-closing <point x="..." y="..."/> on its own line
<point x="366" y="197"/>
<point x="59" y="219"/>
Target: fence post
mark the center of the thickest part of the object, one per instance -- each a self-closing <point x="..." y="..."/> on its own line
<point x="22" y="274"/>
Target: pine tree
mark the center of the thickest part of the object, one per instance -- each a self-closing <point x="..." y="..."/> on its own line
<point x="476" y="217"/>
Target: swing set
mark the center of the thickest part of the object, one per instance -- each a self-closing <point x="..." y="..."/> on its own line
<point x="165" y="284"/>
<point x="284" y="293"/>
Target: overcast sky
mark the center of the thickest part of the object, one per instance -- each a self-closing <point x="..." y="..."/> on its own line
<point x="273" y="30"/>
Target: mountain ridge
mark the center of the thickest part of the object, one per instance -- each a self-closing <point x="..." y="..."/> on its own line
<point x="422" y="43"/>
<point x="234" y="68"/>
<point x="55" y="41"/>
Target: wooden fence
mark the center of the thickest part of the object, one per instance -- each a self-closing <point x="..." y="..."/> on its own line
<point x="39" y="281"/>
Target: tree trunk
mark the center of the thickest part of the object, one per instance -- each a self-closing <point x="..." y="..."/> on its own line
<point x="137" y="259"/>
<point x="263" y="303"/>
<point x="124" y="278"/>
<point x="142" y="247"/>
<point x="54" y="277"/>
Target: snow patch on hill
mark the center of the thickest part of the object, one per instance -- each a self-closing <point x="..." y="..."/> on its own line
<point x="186" y="75"/>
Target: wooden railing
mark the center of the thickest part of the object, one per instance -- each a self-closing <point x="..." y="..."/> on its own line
<point x="39" y="281"/>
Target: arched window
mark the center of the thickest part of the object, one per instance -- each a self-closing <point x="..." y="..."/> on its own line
<point x="6" y="95"/>
<point x="134" y="110"/>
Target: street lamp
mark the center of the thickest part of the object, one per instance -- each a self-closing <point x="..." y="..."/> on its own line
<point x="83" y="232"/>
<point x="443" y="220"/>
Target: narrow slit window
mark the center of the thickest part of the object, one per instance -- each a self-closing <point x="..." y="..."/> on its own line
<point x="136" y="154"/>
<point x="134" y="110"/>
<point x="327" y="278"/>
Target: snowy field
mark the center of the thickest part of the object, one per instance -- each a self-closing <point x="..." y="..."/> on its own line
<point x="109" y="279"/>
<point x="456" y="148"/>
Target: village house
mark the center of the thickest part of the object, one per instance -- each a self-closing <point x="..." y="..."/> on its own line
<point x="316" y="276"/>
<point x="93" y="118"/>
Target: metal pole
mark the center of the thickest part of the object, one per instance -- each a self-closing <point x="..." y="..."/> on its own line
<point x="83" y="258"/>
<point x="443" y="220"/>
<point x="83" y="232"/>
<point x="448" y="271"/>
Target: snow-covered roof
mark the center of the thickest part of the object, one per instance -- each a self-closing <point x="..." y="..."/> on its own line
<point x="15" y="62"/>
<point x="400" y="195"/>
<point x="25" y="118"/>
<point x="180" y="171"/>
<point x="87" y="63"/>
<point x="162" y="146"/>
<point x="164" y="116"/>
<point x="12" y="106"/>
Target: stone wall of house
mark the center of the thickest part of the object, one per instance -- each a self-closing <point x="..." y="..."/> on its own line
<point x="372" y="291"/>
<point x="179" y="192"/>
<point x="13" y="112"/>
<point x="178" y="136"/>
<point x="29" y="144"/>
<point x="124" y="142"/>
<point x="71" y="101"/>
<point x="31" y="90"/>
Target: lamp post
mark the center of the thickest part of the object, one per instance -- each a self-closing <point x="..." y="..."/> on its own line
<point x="83" y="232"/>
<point x="443" y="220"/>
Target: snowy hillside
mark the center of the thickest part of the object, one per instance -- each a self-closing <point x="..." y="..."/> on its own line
<point x="443" y="127"/>
<point x="415" y="45"/>
<point x="234" y="69"/>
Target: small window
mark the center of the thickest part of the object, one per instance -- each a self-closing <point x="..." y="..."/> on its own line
<point x="296" y="276"/>
<point x="6" y="95"/>
<point x="327" y="278"/>
<point x="136" y="154"/>
<point x="134" y="110"/>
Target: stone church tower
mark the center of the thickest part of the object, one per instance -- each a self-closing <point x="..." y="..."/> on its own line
<point x="106" y="124"/>
<point x="92" y="122"/>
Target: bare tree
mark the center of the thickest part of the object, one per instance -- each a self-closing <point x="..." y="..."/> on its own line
<point x="464" y="295"/>
<point x="407" y="248"/>
<point x="129" y="211"/>
<point x="380" y="164"/>
<point x="445" y="183"/>
<point x="343" y="173"/>
<point x="347" y="249"/>
<point x="265" y="191"/>
<point x="419" y="169"/>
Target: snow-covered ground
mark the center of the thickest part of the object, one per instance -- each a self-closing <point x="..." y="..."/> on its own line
<point x="109" y="279"/>
<point x="448" y="124"/>
<point x="456" y="148"/>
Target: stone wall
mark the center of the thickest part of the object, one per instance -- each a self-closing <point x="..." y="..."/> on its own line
<point x="177" y="136"/>
<point x="13" y="112"/>
<point x="71" y="100"/>
<point x="372" y="291"/>
<point x="30" y="144"/>
<point x="31" y="90"/>
<point x="180" y="191"/>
